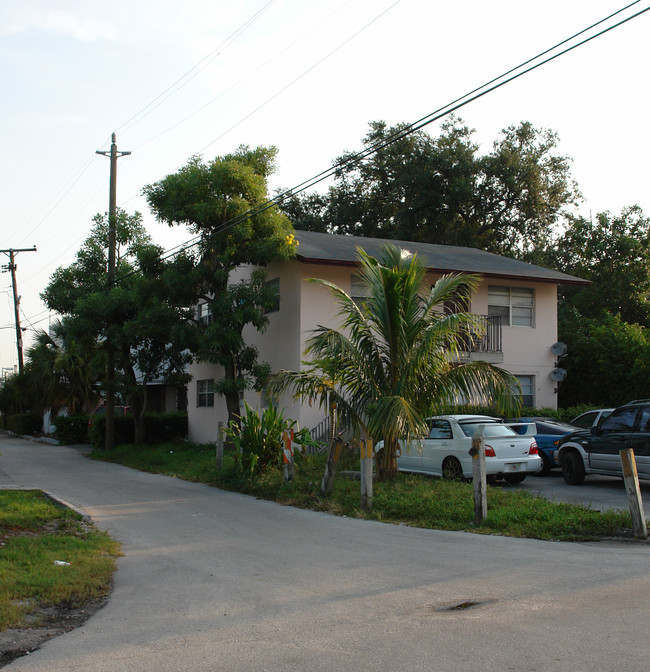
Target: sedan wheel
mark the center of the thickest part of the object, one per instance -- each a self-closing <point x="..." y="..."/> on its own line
<point x="451" y="469"/>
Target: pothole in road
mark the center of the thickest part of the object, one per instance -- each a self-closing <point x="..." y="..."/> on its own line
<point x="463" y="606"/>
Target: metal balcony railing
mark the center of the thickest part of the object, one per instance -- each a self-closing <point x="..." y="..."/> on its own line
<point x="491" y="340"/>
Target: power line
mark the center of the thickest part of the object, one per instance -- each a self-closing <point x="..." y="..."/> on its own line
<point x="458" y="103"/>
<point x="202" y="64"/>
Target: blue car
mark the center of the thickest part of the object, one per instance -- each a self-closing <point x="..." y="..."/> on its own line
<point x="547" y="432"/>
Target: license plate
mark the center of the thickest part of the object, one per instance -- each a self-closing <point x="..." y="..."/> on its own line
<point x="515" y="466"/>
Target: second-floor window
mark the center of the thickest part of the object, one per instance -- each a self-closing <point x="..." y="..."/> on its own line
<point x="205" y="393"/>
<point x="514" y="305"/>
<point x="359" y="290"/>
<point x="205" y="313"/>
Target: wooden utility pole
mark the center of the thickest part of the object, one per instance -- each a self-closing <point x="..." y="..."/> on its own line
<point x="113" y="154"/>
<point x="12" y="268"/>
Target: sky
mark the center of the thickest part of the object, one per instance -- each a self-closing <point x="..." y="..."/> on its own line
<point x="201" y="77"/>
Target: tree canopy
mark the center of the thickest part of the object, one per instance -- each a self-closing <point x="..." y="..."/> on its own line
<point x="225" y="202"/>
<point x="442" y="190"/>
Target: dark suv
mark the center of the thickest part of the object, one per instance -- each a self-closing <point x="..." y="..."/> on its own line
<point x="596" y="450"/>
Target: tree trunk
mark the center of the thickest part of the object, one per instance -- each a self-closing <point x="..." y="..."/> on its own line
<point x="387" y="461"/>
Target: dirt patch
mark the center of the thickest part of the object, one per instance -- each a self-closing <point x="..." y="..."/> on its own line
<point x="52" y="622"/>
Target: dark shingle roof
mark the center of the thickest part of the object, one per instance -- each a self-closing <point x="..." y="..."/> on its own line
<point x="327" y="248"/>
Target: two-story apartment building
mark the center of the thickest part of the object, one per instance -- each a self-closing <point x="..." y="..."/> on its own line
<point x="518" y="302"/>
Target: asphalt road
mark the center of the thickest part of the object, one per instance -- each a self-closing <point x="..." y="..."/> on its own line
<point x="597" y="492"/>
<point x="212" y="580"/>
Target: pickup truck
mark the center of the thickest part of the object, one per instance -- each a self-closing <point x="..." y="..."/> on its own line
<point x="597" y="450"/>
<point x="445" y="451"/>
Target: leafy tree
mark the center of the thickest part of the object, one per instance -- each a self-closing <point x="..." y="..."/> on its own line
<point x="608" y="362"/>
<point x="216" y="201"/>
<point x="142" y="314"/>
<point x="441" y="190"/>
<point x="396" y="359"/>
<point x="613" y="252"/>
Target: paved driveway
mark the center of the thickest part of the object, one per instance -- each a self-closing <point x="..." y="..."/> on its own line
<point x="215" y="581"/>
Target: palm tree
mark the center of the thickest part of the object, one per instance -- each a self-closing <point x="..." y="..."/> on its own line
<point x="396" y="359"/>
<point x="61" y="367"/>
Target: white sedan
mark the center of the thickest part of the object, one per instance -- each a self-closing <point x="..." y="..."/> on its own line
<point x="445" y="451"/>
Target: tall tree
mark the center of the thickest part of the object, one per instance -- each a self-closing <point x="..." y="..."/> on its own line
<point x="143" y="314"/>
<point x="441" y="190"/>
<point x="225" y="203"/>
<point x="396" y="359"/>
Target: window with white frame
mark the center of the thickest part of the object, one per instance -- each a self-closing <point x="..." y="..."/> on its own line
<point x="527" y="394"/>
<point x="275" y="285"/>
<point x="514" y="305"/>
<point x="205" y="313"/>
<point x="205" y="393"/>
<point x="359" y="290"/>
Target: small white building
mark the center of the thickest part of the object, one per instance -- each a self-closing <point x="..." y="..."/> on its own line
<point x="517" y="300"/>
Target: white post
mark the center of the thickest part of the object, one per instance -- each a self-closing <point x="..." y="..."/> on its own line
<point x="478" y="476"/>
<point x="631" y="480"/>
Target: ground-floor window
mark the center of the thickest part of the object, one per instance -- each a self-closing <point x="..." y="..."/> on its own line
<point x="205" y="392"/>
<point x="527" y="390"/>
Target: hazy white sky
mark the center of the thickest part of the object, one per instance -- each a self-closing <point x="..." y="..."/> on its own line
<point x="174" y="79"/>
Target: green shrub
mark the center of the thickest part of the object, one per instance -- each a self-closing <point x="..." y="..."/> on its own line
<point x="71" y="429"/>
<point x="258" y="442"/>
<point x="159" y="428"/>
<point x="165" y="427"/>
<point x="23" y="423"/>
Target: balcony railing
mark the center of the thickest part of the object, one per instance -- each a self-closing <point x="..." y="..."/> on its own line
<point x="491" y="339"/>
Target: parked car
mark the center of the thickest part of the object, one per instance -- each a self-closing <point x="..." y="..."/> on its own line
<point x="547" y="432"/>
<point x="445" y="451"/>
<point x="590" y="418"/>
<point x="596" y="450"/>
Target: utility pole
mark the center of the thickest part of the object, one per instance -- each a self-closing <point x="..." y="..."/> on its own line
<point x="110" y="359"/>
<point x="12" y="267"/>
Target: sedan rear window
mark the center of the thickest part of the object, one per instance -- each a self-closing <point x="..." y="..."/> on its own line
<point x="490" y="429"/>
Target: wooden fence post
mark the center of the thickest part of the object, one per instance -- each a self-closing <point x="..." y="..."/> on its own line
<point x="478" y="476"/>
<point x="219" y="455"/>
<point x="631" y="480"/>
<point x="366" y="460"/>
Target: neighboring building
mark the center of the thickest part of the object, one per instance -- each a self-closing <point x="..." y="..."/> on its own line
<point x="518" y="302"/>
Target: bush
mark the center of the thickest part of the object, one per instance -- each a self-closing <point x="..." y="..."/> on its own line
<point x="71" y="429"/>
<point x="23" y="423"/>
<point x="165" y="427"/>
<point x="159" y="428"/>
<point x="258" y="442"/>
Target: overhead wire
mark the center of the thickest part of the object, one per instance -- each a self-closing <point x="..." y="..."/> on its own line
<point x="458" y="103"/>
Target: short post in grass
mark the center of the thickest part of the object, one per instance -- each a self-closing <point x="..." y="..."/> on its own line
<point x="477" y="451"/>
<point x="219" y="455"/>
<point x="366" y="462"/>
<point x="631" y="480"/>
<point x="287" y="441"/>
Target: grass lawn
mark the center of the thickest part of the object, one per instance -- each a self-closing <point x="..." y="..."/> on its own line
<point x="411" y="499"/>
<point x="36" y="536"/>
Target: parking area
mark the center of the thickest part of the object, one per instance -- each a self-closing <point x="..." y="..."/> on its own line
<point x="599" y="492"/>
